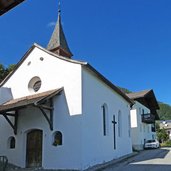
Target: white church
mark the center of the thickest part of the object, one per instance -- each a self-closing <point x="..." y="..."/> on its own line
<point x="60" y="113"/>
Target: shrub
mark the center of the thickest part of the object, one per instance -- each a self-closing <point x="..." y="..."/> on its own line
<point x="166" y="144"/>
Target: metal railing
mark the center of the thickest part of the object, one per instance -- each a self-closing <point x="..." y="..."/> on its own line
<point x="3" y="163"/>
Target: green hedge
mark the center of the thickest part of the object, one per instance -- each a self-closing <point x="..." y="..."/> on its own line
<point x="166" y="144"/>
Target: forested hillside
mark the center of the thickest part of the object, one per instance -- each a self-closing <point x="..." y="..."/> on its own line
<point x="165" y="111"/>
<point x="4" y="71"/>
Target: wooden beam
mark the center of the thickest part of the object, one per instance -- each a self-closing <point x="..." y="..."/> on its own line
<point x="45" y="107"/>
<point x="51" y="112"/>
<point x="8" y="114"/>
<point x="15" y="124"/>
<point x="49" y="119"/>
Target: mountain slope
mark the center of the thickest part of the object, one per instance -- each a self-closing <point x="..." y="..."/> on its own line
<point x="165" y="111"/>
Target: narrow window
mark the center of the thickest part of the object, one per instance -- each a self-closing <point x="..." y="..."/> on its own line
<point x="119" y="124"/>
<point x="12" y="142"/>
<point x="105" y="119"/>
<point x="57" y="138"/>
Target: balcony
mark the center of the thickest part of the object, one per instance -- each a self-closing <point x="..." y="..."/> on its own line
<point x="148" y="118"/>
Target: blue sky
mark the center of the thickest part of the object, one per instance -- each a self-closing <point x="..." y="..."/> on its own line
<point x="128" y="41"/>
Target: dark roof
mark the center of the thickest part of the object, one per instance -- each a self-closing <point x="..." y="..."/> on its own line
<point x="28" y="100"/>
<point x="84" y="64"/>
<point x="147" y="98"/>
<point x="139" y="94"/>
<point x="6" y="5"/>
<point x="58" y="43"/>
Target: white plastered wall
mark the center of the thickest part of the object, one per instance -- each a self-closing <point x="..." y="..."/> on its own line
<point x="98" y="148"/>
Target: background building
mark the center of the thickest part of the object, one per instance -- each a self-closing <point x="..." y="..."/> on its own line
<point x="143" y="117"/>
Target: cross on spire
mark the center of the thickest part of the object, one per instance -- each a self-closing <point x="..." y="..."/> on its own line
<point x="59" y="7"/>
<point x="58" y="43"/>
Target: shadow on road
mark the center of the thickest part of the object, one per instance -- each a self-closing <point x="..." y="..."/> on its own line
<point x="148" y="160"/>
<point x="152" y="154"/>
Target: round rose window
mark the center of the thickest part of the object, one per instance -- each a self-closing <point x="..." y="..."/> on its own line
<point x="34" y="84"/>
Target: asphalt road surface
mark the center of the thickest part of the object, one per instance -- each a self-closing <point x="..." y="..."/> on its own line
<point x="147" y="160"/>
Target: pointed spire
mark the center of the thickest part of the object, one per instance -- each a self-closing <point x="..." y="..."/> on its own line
<point x="58" y="43"/>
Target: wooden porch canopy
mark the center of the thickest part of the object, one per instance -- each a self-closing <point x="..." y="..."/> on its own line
<point x="148" y="99"/>
<point x="42" y="101"/>
<point x="6" y="5"/>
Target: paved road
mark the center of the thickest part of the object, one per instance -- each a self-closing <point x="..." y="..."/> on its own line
<point x="148" y="160"/>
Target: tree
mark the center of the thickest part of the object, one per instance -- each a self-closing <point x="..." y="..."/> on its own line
<point x="162" y="135"/>
<point x="157" y="125"/>
<point x="5" y="71"/>
<point x="10" y="68"/>
<point x="124" y="90"/>
<point x="2" y="72"/>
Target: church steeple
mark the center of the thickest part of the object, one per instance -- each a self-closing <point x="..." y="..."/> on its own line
<point x="58" y="43"/>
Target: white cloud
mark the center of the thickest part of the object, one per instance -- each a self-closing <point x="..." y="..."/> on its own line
<point x="51" y="24"/>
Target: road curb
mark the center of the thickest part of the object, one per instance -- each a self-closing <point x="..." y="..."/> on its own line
<point x="105" y="165"/>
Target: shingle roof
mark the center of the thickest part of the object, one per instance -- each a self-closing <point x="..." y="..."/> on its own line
<point x="140" y="94"/>
<point x="28" y="100"/>
<point x="58" y="43"/>
<point x="147" y="98"/>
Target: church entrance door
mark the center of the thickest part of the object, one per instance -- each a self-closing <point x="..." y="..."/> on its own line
<point x="34" y="148"/>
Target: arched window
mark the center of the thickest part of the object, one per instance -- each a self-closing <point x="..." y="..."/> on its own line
<point x="119" y="123"/>
<point x="11" y="142"/>
<point x="105" y="119"/>
<point x="57" y="138"/>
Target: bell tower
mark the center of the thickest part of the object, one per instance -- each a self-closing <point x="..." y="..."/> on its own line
<point x="58" y="43"/>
